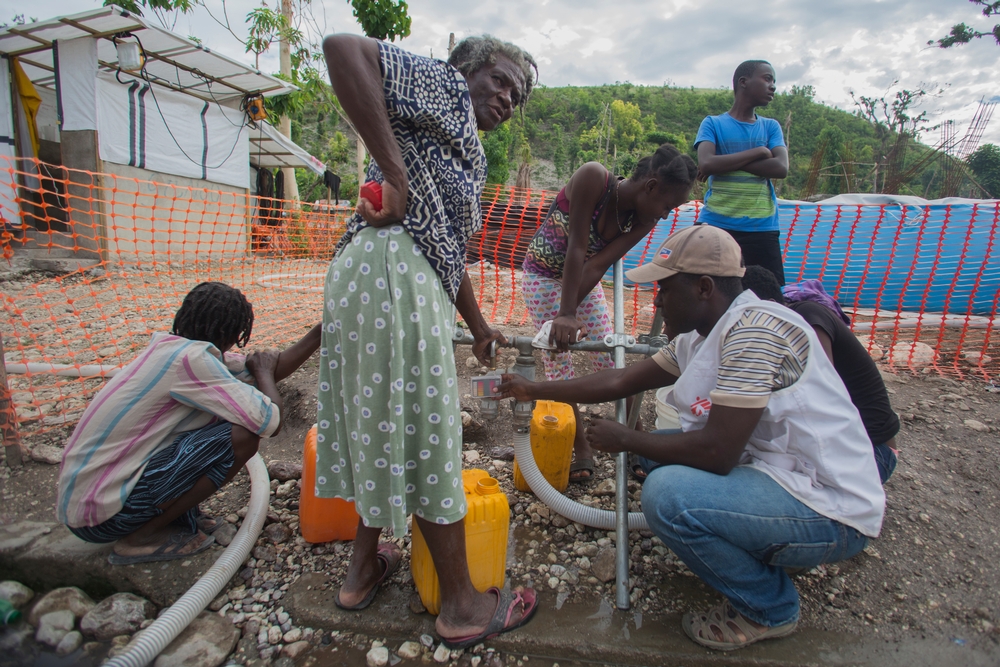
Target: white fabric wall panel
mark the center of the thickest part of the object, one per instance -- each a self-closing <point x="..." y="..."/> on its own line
<point x="76" y="82"/>
<point x="8" y="184"/>
<point x="160" y="130"/>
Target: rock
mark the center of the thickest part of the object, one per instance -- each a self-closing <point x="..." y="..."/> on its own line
<point x="16" y="644"/>
<point x="224" y="534"/>
<point x="53" y="626"/>
<point x="284" y="470"/>
<point x="502" y="453"/>
<point x="274" y="635"/>
<point x="264" y="552"/>
<point x="71" y="598"/>
<point x="204" y="643"/>
<point x="233" y="518"/>
<point x="589" y="550"/>
<point x="277" y="533"/>
<point x="70" y="642"/>
<point x="875" y="350"/>
<point x="427" y="640"/>
<point x="472" y="362"/>
<point x="16" y="593"/>
<point x="471" y="456"/>
<point x="120" y="614"/>
<point x="292" y="636"/>
<point x="219" y="602"/>
<point x="605" y="488"/>
<point x="560" y="521"/>
<point x="467" y="420"/>
<point x="416" y="604"/>
<point x="47" y="454"/>
<point x="378" y="657"/>
<point x="976" y="358"/>
<point x="442" y="653"/>
<point x="976" y="425"/>
<point x="409" y="650"/>
<point x="916" y="355"/>
<point x="295" y="649"/>
<point x="603" y="566"/>
<point x="119" y="645"/>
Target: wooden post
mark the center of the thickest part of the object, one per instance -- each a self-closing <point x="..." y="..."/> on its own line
<point x="8" y="419"/>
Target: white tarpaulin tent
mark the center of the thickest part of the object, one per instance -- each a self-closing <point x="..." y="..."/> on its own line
<point x="180" y="116"/>
<point x="270" y="149"/>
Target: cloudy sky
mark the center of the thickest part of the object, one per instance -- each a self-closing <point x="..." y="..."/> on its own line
<point x="836" y="46"/>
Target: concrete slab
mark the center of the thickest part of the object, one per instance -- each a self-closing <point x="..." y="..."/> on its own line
<point x="599" y="633"/>
<point x="44" y="556"/>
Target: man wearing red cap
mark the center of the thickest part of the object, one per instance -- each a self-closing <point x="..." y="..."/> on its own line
<point x="771" y="467"/>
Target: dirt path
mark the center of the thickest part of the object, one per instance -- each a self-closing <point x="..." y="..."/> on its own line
<point x="931" y="574"/>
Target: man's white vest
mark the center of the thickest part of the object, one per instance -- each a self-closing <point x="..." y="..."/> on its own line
<point x="810" y="439"/>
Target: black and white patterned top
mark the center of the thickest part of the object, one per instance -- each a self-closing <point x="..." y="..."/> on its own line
<point x="431" y="115"/>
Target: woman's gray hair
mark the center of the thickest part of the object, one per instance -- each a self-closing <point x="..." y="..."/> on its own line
<point x="472" y="53"/>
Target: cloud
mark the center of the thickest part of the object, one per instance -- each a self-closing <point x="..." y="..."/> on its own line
<point x="836" y="46"/>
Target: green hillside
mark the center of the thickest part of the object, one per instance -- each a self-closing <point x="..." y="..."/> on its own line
<point x="831" y="150"/>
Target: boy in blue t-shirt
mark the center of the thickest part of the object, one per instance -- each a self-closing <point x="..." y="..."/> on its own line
<point x="739" y="153"/>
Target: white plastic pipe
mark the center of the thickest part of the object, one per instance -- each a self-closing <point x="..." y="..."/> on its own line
<point x="66" y="370"/>
<point x="179" y="615"/>
<point x="572" y="510"/>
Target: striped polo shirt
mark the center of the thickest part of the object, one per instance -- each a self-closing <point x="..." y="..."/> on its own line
<point x="760" y="354"/>
<point x="176" y="385"/>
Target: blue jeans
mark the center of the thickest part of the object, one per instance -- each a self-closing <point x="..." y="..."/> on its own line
<point x="885" y="458"/>
<point x="739" y="531"/>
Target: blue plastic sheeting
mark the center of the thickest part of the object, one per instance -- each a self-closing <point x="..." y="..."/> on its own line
<point x="931" y="258"/>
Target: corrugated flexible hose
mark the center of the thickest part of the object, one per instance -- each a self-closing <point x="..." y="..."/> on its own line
<point x="572" y="510"/>
<point x="179" y="615"/>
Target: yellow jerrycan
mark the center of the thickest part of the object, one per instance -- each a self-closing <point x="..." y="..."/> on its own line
<point x="487" y="523"/>
<point x="553" y="429"/>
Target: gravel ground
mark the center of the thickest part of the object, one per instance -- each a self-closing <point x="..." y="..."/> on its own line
<point x="929" y="574"/>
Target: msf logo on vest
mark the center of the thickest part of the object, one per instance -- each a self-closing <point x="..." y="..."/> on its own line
<point x="701" y="406"/>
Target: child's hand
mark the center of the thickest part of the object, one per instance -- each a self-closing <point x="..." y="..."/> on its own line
<point x="514" y="386"/>
<point x="263" y="362"/>
<point x="565" y="332"/>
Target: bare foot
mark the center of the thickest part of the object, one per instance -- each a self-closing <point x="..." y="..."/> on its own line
<point x="132" y="546"/>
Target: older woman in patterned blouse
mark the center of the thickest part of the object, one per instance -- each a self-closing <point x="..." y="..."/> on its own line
<point x="389" y="423"/>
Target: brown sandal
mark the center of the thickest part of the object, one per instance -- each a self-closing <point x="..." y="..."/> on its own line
<point x="736" y="630"/>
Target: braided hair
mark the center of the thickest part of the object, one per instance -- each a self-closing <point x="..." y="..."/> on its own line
<point x="215" y="313"/>
<point x="669" y="166"/>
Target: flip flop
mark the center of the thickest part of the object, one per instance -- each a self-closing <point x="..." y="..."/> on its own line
<point x="507" y="602"/>
<point x="389" y="555"/>
<point x="208" y="524"/>
<point x="634" y="469"/>
<point x="581" y="464"/>
<point x="166" y="551"/>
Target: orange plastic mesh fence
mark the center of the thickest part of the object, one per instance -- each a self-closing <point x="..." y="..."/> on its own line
<point x="110" y="259"/>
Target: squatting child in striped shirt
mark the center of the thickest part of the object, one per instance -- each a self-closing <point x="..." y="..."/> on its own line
<point x="173" y="427"/>
<point x="740" y="153"/>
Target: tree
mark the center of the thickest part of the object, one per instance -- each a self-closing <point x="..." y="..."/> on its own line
<point x="985" y="164"/>
<point x="895" y="125"/>
<point x="382" y="19"/>
<point x="963" y="33"/>
<point x="497" y="145"/>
